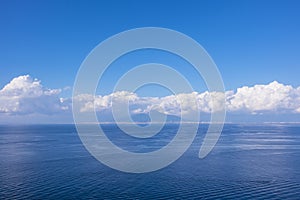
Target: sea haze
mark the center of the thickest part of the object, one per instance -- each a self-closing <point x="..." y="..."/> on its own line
<point x="249" y="162"/>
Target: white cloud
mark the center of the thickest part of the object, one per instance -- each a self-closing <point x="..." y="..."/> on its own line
<point x="24" y="95"/>
<point x="88" y="102"/>
<point x="272" y="97"/>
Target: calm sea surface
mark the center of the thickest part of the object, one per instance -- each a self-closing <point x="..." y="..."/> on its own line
<point x="248" y="162"/>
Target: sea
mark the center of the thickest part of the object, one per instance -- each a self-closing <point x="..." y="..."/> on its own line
<point x="250" y="161"/>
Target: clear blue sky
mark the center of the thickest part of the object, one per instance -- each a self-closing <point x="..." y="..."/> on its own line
<point x="250" y="41"/>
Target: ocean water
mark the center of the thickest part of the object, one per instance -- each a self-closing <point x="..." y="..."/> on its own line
<point x="259" y="161"/>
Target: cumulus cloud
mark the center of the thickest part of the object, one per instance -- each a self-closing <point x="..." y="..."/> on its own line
<point x="24" y="95"/>
<point x="273" y="97"/>
<point x="89" y="103"/>
<point x="261" y="98"/>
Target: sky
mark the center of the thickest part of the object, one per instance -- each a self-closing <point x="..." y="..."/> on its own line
<point x="255" y="45"/>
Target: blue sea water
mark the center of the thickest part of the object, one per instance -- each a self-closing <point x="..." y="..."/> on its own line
<point x="259" y="161"/>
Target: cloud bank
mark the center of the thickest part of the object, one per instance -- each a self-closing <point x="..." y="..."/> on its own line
<point x="25" y="95"/>
<point x="273" y="97"/>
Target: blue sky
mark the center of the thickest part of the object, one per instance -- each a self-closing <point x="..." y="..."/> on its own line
<point x="252" y="42"/>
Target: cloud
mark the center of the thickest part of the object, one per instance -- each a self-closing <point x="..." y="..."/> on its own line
<point x="88" y="102"/>
<point x="274" y="97"/>
<point x="24" y="95"/>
